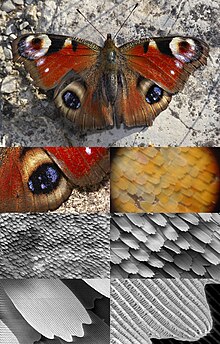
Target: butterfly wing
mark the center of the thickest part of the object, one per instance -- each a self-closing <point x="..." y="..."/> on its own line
<point x="41" y="179"/>
<point x="48" y="58"/>
<point x="30" y="181"/>
<point x="157" y="69"/>
<point x="71" y="66"/>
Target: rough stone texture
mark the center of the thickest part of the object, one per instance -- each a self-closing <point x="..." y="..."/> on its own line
<point x="65" y="246"/>
<point x="88" y="201"/>
<point x="192" y="118"/>
<point x="165" y="245"/>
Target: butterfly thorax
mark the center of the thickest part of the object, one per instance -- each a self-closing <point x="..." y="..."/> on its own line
<point x="110" y="65"/>
<point x="110" y="54"/>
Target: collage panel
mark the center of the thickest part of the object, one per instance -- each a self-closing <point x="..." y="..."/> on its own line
<point x="38" y="179"/>
<point x="74" y="84"/>
<point x="110" y="182"/>
<point x="54" y="246"/>
<point x="54" y="311"/>
<point x="164" y="311"/>
<point x="166" y="179"/>
<point x="165" y="245"/>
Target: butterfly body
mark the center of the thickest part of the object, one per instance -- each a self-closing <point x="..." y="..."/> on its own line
<point x="98" y="87"/>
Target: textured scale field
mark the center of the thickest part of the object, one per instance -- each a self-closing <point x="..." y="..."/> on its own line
<point x="169" y="179"/>
<point x="165" y="245"/>
<point x="54" y="245"/>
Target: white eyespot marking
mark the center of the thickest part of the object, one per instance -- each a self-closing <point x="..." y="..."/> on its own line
<point x="184" y="49"/>
<point x="67" y="42"/>
<point x="34" y="47"/>
<point x="40" y="62"/>
<point x="178" y="64"/>
<point x="88" y="150"/>
<point x="152" y="44"/>
<point x="172" y="72"/>
<point x="46" y="70"/>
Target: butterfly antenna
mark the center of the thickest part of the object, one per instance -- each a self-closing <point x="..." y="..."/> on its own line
<point x="135" y="6"/>
<point x="89" y="22"/>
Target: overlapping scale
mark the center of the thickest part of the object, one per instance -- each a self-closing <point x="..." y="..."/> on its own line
<point x="168" y="179"/>
<point x="180" y="246"/>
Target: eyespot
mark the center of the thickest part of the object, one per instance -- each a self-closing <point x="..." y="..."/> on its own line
<point x="154" y="94"/>
<point x="71" y="100"/>
<point x="184" y="49"/>
<point x="34" y="47"/>
<point x="44" y="179"/>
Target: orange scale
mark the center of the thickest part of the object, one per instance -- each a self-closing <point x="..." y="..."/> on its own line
<point x="159" y="160"/>
<point x="142" y="158"/>
<point x="187" y="182"/>
<point x="194" y="171"/>
<point x="206" y="177"/>
<point x="151" y="152"/>
<point x="155" y="179"/>
<point x="199" y="185"/>
<point x="187" y="192"/>
<point x="149" y="187"/>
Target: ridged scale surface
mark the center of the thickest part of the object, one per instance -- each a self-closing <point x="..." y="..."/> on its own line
<point x="145" y="309"/>
<point x="165" y="245"/>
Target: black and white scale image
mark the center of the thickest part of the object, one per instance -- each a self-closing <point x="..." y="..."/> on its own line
<point x="53" y="311"/>
<point x="54" y="245"/>
<point x="168" y="245"/>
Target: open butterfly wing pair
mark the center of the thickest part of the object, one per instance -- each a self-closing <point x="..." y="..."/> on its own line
<point x="41" y="179"/>
<point x="98" y="87"/>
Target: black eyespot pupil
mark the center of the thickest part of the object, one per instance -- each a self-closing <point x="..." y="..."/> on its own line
<point x="71" y="100"/>
<point x="154" y="94"/>
<point x="36" y="40"/>
<point x="44" y="179"/>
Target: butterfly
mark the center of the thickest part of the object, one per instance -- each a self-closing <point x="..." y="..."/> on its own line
<point x="99" y="87"/>
<point x="41" y="179"/>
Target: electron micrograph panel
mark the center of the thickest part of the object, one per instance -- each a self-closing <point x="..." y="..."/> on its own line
<point x="176" y="310"/>
<point x="54" y="245"/>
<point x="165" y="245"/>
<point x="54" y="311"/>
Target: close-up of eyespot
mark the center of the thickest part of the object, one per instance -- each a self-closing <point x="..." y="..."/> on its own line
<point x="41" y="179"/>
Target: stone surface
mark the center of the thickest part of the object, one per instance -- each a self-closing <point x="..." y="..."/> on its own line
<point x="191" y="119"/>
<point x="7" y="6"/>
<point x="8" y="84"/>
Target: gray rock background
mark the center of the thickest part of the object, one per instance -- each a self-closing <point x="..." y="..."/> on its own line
<point x="31" y="119"/>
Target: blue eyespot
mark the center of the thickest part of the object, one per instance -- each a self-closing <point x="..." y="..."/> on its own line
<point x="154" y="94"/>
<point x="44" y="179"/>
<point x="71" y="100"/>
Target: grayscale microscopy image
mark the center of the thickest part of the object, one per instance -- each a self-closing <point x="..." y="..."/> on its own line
<point x="54" y="245"/>
<point x="165" y="245"/>
<point x="53" y="311"/>
<point x="164" y="311"/>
